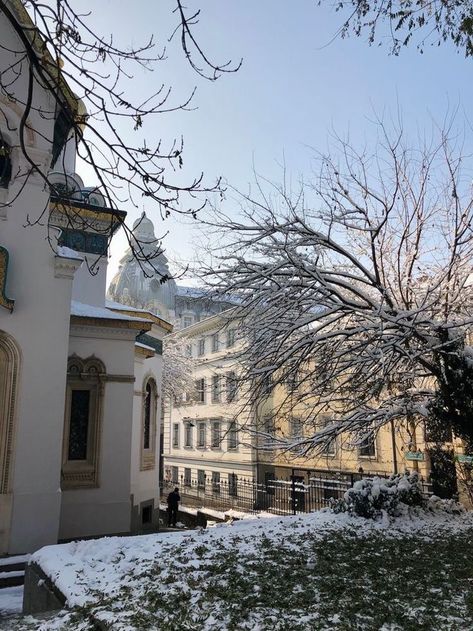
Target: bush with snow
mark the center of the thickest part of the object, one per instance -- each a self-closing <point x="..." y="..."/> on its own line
<point x="371" y="497"/>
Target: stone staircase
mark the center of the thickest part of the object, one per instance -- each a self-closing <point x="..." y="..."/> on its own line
<point x="12" y="570"/>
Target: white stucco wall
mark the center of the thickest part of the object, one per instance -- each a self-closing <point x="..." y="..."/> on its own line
<point x="145" y="483"/>
<point x="39" y="324"/>
<point x="105" y="510"/>
<point x="88" y="288"/>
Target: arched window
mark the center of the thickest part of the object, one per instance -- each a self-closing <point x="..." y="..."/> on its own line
<point x="5" y="164"/>
<point x="83" y="419"/>
<point x="149" y="415"/>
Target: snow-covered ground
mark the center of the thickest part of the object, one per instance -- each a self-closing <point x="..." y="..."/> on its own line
<point x="255" y="574"/>
<point x="11" y="600"/>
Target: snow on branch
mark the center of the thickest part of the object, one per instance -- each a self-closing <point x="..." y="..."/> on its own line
<point x="364" y="293"/>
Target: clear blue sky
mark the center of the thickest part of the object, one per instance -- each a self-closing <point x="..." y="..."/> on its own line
<point x="293" y="89"/>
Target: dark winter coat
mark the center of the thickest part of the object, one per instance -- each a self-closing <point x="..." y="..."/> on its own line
<point x="173" y="499"/>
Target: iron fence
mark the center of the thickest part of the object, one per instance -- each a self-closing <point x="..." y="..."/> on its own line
<point x="292" y="495"/>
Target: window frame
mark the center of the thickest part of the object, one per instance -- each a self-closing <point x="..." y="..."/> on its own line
<point x="148" y="454"/>
<point x="84" y="375"/>
<point x="175" y="435"/>
<point x="216" y="482"/>
<point x="370" y="444"/>
<point x="230" y="343"/>
<point x="231" y="387"/>
<point x="187" y="480"/>
<point x="188" y="435"/>
<point x="201" y="428"/>
<point x="232" y="485"/>
<point x="201" y="347"/>
<point x="215" y="389"/>
<point x="174" y="475"/>
<point x="232" y="432"/>
<point x="201" y="479"/>
<point x="199" y="386"/>
<point x="213" y="443"/>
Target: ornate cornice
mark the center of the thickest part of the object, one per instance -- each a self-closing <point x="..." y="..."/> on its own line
<point x="110" y="323"/>
<point x="144" y="352"/>
<point x="146" y="314"/>
<point x="65" y="267"/>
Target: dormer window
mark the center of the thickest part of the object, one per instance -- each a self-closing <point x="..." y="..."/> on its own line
<point x="5" y="164"/>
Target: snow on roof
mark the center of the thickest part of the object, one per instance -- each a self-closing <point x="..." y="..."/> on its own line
<point x="192" y="292"/>
<point x="111" y="304"/>
<point x="68" y="253"/>
<point x="91" y="311"/>
<point x="199" y="292"/>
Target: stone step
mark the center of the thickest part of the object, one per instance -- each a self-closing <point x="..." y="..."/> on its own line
<point x="12" y="570"/>
<point x="12" y="579"/>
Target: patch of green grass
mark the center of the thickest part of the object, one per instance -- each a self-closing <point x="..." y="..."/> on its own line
<point x="341" y="581"/>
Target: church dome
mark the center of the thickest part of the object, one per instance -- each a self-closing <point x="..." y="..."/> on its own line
<point x="145" y="284"/>
<point x="143" y="229"/>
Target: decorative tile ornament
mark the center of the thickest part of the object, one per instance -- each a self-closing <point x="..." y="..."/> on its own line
<point x="4" y="301"/>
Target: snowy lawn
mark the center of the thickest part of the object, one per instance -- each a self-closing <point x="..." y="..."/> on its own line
<point x="318" y="571"/>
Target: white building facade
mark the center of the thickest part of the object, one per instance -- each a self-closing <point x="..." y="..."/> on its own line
<point x="80" y="379"/>
<point x="207" y="445"/>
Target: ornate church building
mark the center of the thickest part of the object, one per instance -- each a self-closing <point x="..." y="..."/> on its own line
<point x="80" y="379"/>
<point x="137" y="284"/>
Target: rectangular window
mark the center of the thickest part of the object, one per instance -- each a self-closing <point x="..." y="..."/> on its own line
<point x="296" y="428"/>
<point x="201" y="435"/>
<point x="175" y="475"/>
<point x="79" y="425"/>
<point x="200" y="390"/>
<point x="230" y="338"/>
<point x="216" y="434"/>
<point x="188" y="434"/>
<point x="267" y="384"/>
<point x="438" y="433"/>
<point x="214" y="342"/>
<point x="187" y="321"/>
<point x="201" y="479"/>
<point x="269" y="425"/>
<point x="368" y="447"/>
<point x="215" y="389"/>
<point x="232" y="436"/>
<point x="232" y="484"/>
<point x="232" y="387"/>
<point x="201" y="347"/>
<point x="189" y="350"/>
<point x="293" y="381"/>
<point x="187" y="477"/>
<point x="329" y="448"/>
<point x="216" y="482"/>
<point x="175" y="435"/>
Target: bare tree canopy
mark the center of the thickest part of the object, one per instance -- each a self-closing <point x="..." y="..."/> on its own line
<point x="88" y="77"/>
<point x="177" y="368"/>
<point x="359" y="304"/>
<point x="402" y="22"/>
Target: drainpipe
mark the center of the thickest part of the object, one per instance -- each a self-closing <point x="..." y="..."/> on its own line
<point x="393" y="439"/>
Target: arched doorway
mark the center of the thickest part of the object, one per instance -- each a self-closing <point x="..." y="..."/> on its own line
<point x="9" y="367"/>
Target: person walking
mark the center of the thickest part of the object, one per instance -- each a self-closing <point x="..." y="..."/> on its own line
<point x="173" y="504"/>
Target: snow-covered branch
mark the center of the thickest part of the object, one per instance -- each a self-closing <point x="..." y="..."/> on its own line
<point x="364" y="295"/>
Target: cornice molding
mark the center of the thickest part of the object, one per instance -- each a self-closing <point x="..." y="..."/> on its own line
<point x="110" y="323"/>
<point x="65" y="267"/>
